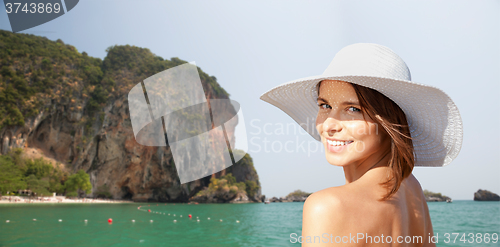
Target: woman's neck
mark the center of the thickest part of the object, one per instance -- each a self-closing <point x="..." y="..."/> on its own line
<point x="355" y="171"/>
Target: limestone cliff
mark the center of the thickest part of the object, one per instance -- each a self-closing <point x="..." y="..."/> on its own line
<point x="73" y="108"/>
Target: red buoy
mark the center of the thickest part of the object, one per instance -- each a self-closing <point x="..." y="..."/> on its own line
<point x="110" y="220"/>
<point x="190" y="216"/>
<point x="149" y="210"/>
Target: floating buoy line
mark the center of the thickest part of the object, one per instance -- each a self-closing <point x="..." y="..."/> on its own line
<point x="189" y="218"/>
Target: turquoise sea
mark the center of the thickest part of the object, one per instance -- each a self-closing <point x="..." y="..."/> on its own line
<point x="259" y="224"/>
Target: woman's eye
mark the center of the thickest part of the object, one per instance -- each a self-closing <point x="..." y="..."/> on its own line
<point x="323" y="106"/>
<point x="353" y="109"/>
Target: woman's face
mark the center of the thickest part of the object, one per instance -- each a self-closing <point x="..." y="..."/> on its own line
<point x="349" y="139"/>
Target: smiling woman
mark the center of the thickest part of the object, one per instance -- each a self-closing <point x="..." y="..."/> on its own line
<point x="376" y="124"/>
<point x="350" y="136"/>
<point x="360" y="116"/>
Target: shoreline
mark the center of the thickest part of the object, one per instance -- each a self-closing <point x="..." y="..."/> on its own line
<point x="56" y="200"/>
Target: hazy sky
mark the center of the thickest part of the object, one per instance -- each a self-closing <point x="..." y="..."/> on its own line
<point x="252" y="46"/>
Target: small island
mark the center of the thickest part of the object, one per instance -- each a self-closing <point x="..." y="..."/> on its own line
<point x="484" y="195"/>
<point x="435" y="197"/>
<point x="296" y="196"/>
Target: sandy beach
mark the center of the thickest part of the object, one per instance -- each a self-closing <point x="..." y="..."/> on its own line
<point x="57" y="199"/>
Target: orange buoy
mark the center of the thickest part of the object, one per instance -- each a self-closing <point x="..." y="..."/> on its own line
<point x="190" y="216"/>
<point x="110" y="220"/>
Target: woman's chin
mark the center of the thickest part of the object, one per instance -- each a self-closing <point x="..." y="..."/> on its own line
<point x="336" y="161"/>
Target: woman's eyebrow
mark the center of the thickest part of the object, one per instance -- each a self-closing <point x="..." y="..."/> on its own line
<point x="319" y="98"/>
<point x="343" y="103"/>
<point x="350" y="103"/>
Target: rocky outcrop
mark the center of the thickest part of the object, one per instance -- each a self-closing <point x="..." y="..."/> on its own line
<point x="86" y="126"/>
<point x="225" y="196"/>
<point x="276" y="199"/>
<point x="227" y="189"/>
<point x="484" y="195"/>
<point x="435" y="197"/>
<point x="244" y="172"/>
<point x="296" y="196"/>
<point x="288" y="199"/>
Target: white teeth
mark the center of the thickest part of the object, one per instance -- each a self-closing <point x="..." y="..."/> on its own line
<point x="338" y="143"/>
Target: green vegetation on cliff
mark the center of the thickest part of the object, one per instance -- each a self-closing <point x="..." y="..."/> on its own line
<point x="241" y="178"/>
<point x="244" y="171"/>
<point x="222" y="189"/>
<point x="226" y="183"/>
<point x="36" y="73"/>
<point x="39" y="176"/>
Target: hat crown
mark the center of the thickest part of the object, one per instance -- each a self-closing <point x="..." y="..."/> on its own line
<point x="365" y="59"/>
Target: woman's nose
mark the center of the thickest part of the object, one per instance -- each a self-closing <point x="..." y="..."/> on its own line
<point x="332" y="125"/>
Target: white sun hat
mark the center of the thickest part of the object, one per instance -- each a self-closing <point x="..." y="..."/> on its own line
<point x="434" y="120"/>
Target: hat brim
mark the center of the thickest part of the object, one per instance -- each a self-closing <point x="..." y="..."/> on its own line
<point x="433" y="118"/>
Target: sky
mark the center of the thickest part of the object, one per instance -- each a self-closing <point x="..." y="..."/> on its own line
<point x="253" y="46"/>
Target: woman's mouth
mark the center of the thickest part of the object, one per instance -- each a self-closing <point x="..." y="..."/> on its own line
<point x="337" y="146"/>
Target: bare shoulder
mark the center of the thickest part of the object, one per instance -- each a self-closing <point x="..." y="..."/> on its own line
<point x="335" y="201"/>
<point x="356" y="208"/>
<point x="413" y="181"/>
<point x="323" y="202"/>
<point x="324" y="212"/>
<point x="411" y="186"/>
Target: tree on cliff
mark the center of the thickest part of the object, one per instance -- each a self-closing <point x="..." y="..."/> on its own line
<point x="78" y="183"/>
